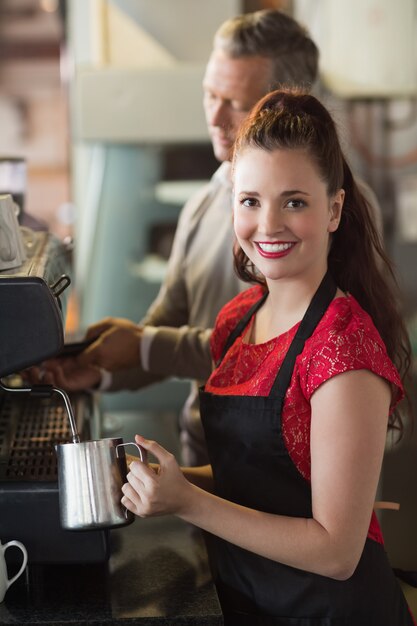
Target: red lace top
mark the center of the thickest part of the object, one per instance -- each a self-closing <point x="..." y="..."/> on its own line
<point x="345" y="339"/>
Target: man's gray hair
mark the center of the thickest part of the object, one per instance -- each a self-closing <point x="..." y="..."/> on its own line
<point x="273" y="34"/>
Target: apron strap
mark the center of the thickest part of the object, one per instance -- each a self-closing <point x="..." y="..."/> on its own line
<point x="316" y="309"/>
<point x="241" y="325"/>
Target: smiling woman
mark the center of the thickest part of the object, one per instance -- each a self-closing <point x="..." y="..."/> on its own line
<point x="296" y="411"/>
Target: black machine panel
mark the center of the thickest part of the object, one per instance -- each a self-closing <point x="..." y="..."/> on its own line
<point x="33" y="300"/>
<point x="33" y="303"/>
<point x="30" y="426"/>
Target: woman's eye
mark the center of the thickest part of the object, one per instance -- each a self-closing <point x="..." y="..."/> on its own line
<point x="249" y="202"/>
<point x="295" y="204"/>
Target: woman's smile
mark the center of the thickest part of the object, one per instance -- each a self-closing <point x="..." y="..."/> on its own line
<point x="274" y="250"/>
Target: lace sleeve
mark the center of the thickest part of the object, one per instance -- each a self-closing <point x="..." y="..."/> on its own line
<point x="347" y="351"/>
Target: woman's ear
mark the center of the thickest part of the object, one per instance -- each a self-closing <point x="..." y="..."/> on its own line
<point x="336" y="207"/>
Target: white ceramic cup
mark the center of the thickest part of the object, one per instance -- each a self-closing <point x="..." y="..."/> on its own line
<point x="5" y="581"/>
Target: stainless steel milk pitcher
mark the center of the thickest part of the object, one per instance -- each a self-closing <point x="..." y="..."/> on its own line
<point x="90" y="479"/>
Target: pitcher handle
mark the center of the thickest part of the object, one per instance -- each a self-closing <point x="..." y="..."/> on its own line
<point x="10" y="581"/>
<point x="143" y="455"/>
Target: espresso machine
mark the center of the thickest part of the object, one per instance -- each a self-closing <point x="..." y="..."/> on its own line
<point x="34" y="419"/>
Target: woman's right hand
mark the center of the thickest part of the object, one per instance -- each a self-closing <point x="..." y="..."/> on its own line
<point x="156" y="490"/>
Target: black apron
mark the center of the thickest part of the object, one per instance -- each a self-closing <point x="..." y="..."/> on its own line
<point x="251" y="466"/>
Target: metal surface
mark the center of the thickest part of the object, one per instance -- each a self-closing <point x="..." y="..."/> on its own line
<point x="71" y="416"/>
<point x="90" y="479"/>
<point x="46" y="391"/>
<point x="30" y="427"/>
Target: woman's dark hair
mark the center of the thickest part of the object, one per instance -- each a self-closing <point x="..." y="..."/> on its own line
<point x="291" y="120"/>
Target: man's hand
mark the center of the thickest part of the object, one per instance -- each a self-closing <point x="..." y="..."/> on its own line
<point x="65" y="373"/>
<point x="117" y="345"/>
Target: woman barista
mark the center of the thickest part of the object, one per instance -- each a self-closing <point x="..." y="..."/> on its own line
<point x="306" y="383"/>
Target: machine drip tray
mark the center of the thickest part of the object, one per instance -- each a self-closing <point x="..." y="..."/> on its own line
<point x="30" y="427"/>
<point x="29" y="430"/>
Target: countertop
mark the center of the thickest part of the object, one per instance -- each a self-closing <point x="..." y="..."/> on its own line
<point x="157" y="574"/>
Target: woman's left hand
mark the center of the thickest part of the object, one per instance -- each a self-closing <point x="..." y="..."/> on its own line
<point x="159" y="491"/>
